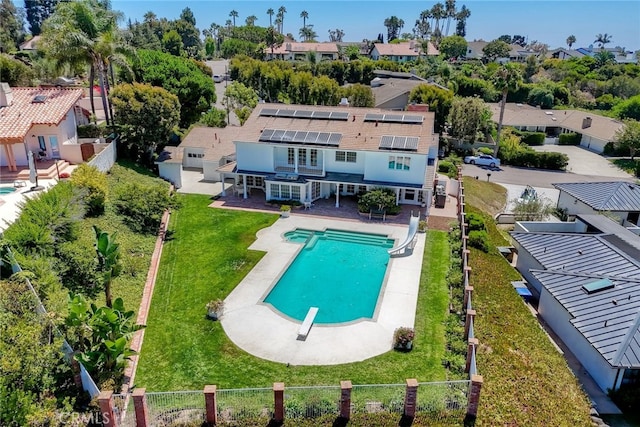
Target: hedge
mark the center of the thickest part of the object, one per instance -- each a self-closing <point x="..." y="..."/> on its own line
<point x="571" y="138"/>
<point x="531" y="138"/>
<point x="540" y="160"/>
<point x="89" y="131"/>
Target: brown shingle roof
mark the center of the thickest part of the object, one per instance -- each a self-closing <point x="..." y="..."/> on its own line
<point x="217" y="142"/>
<point x="403" y="49"/>
<point x="17" y="118"/>
<point x="356" y="133"/>
<point x="304" y="47"/>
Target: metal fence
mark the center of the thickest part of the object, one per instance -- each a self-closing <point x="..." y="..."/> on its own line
<point x="171" y="408"/>
<point x="243" y="404"/>
<point x="311" y="402"/>
<point x="378" y="398"/>
<point x="443" y="399"/>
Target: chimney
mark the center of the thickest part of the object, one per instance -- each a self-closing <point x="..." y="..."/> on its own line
<point x="344" y="102"/>
<point x="418" y="107"/>
<point x="288" y="46"/>
<point x="586" y="122"/>
<point x="411" y="44"/>
<point x="6" y="95"/>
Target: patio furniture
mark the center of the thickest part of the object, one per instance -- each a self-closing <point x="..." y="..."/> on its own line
<point x="307" y="205"/>
<point x="19" y="183"/>
<point x="308" y="321"/>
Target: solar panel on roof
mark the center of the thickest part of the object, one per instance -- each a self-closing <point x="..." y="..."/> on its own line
<point x="386" y="142"/>
<point x="301" y="137"/>
<point x="321" y="114"/>
<point x="339" y="115"/>
<point x="288" y="135"/>
<point x="392" y="118"/>
<point x="268" y="112"/>
<point x="277" y="135"/>
<point x="285" y="113"/>
<point x="303" y="113"/>
<point x="311" y="137"/>
<point x="266" y="135"/>
<point x="407" y="118"/>
<point x="323" y="137"/>
<point x="39" y="99"/>
<point x="373" y="117"/>
<point x="334" y="138"/>
<point x="412" y="143"/>
<point x="407" y="143"/>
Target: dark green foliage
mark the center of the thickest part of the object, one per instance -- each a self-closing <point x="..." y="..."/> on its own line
<point x="180" y="76"/>
<point x="446" y="166"/>
<point x="77" y="267"/>
<point x="479" y="240"/>
<point x="378" y="199"/>
<point x="89" y="131"/>
<point x="37" y="12"/>
<point x="14" y="72"/>
<point x="571" y="138"/>
<point x="215" y="118"/>
<point x="475" y="221"/>
<point x="93" y="186"/>
<point x="637" y="168"/>
<point x="233" y="47"/>
<point x="142" y="205"/>
<point x="530" y="138"/>
<point x="469" y="87"/>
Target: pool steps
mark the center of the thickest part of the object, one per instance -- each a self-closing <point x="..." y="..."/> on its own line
<point x="310" y="237"/>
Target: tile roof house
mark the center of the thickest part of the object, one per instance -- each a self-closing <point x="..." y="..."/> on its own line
<point x="41" y="120"/>
<point x="294" y="51"/>
<point x="304" y="153"/>
<point x="618" y="199"/>
<point x="401" y="52"/>
<point x="587" y="277"/>
<point x="596" y="130"/>
<point x="517" y="53"/>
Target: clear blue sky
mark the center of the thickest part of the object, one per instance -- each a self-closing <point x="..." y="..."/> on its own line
<point x="549" y="22"/>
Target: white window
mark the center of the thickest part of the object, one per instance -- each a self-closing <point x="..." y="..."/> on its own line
<point x="302" y="157"/>
<point x="399" y="163"/>
<point x="314" y="157"/>
<point x="346" y="156"/>
<point x="285" y="191"/>
<point x="290" y="156"/>
<point x="275" y="191"/>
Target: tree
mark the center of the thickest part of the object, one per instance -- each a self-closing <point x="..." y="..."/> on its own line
<point x="336" y="35"/>
<point x="307" y="33"/>
<point x="507" y="77"/>
<point x="453" y="47"/>
<point x="628" y="137"/>
<point x="393" y="24"/>
<point x="281" y="11"/>
<point x="450" y="11"/>
<point x="273" y="39"/>
<point x="270" y="12"/>
<point x="304" y="15"/>
<point x="505" y="38"/>
<point x="190" y="37"/>
<point x="108" y="254"/>
<point x="496" y="49"/>
<point x="629" y="109"/>
<point x="519" y="40"/>
<point x="604" y="57"/>
<point x="172" y="43"/>
<point x="12" y="30"/>
<point x="438" y="12"/>
<point x="37" y="12"/>
<point x="571" y="40"/>
<point x="241" y="99"/>
<point x="214" y="118"/>
<point x="469" y="119"/>
<point x="438" y="100"/>
<point x="147" y="116"/>
<point x="187" y="15"/>
<point x="251" y="20"/>
<point x="603" y="39"/>
<point x="233" y="14"/>
<point x="461" y="17"/>
<point x="359" y="95"/>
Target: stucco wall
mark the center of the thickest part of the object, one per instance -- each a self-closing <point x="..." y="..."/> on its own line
<point x="172" y="172"/>
<point x="377" y="168"/>
<point x="256" y="157"/>
<point x="105" y="156"/>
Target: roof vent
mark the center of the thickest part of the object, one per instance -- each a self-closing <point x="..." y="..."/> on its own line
<point x="597" y="286"/>
<point x="39" y="99"/>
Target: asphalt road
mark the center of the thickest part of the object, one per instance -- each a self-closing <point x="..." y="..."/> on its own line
<point x="221" y="67"/>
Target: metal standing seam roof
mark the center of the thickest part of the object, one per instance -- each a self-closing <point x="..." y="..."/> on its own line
<point x="578" y="253"/>
<point x="608" y="319"/>
<point x="605" y="196"/>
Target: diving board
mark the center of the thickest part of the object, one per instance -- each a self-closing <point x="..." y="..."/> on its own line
<point x="411" y="235"/>
<point x="308" y="321"/>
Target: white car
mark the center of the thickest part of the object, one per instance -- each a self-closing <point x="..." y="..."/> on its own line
<point x="483" y="160"/>
<point x="217" y="78"/>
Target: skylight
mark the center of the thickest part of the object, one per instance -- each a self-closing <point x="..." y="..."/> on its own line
<point x="597" y="286"/>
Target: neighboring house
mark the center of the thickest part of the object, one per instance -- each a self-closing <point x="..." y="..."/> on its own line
<point x="517" y="53"/>
<point x="596" y="130"/>
<point x="392" y="92"/>
<point x="204" y="148"/>
<point x="619" y="200"/>
<point x="294" y="51"/>
<point x="363" y="47"/>
<point x="401" y="52"/>
<point x="587" y="277"/>
<point x="562" y="53"/>
<point x="304" y="153"/>
<point x="41" y="120"/>
<point x="620" y="55"/>
<point x="30" y="45"/>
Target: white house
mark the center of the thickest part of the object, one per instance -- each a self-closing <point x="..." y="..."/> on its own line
<point x="294" y="51"/>
<point x="41" y="120"/>
<point x="402" y="52"/>
<point x="617" y="199"/>
<point x="595" y="131"/>
<point x="303" y="153"/>
<point x="587" y="277"/>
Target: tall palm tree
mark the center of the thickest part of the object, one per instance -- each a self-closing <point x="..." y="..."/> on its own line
<point x="234" y="14"/>
<point x="450" y="11"/>
<point x="270" y="12"/>
<point x="281" y="11"/>
<point x="82" y="32"/>
<point x="461" y="17"/>
<point x="251" y="20"/>
<point x="571" y="40"/>
<point x="507" y="77"/>
<point x="307" y="33"/>
<point x="603" y="39"/>
<point x="438" y="12"/>
<point x="304" y="15"/>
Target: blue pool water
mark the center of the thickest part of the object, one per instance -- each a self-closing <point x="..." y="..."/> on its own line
<point x="340" y="272"/>
<point x="6" y="190"/>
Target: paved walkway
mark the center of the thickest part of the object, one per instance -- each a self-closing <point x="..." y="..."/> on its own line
<point x="262" y="331"/>
<point x="9" y="209"/>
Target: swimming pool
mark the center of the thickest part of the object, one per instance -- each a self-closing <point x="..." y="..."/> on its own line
<point x="340" y="272"/>
<point x="6" y="190"/>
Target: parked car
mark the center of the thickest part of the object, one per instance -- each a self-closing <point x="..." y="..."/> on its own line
<point x="483" y="160"/>
<point x="217" y="78"/>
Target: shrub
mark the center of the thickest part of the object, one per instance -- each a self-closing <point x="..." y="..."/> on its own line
<point x="479" y="240"/>
<point x="378" y="199"/>
<point x="77" y="267"/>
<point x="89" y="131"/>
<point x="94" y="184"/>
<point x="445" y="166"/>
<point x="637" y="168"/>
<point x="475" y="221"/>
<point x="531" y="138"/>
<point x="570" y="138"/>
<point x="143" y="205"/>
<point x="403" y="337"/>
<point x="485" y="150"/>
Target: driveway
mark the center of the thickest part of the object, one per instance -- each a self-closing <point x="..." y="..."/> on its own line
<point x="221" y="67"/>
<point x="585" y="162"/>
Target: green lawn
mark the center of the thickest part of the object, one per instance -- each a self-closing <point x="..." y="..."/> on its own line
<point x="206" y="258"/>
<point x="626" y="165"/>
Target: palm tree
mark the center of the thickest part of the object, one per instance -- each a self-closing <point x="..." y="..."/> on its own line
<point x="438" y="13"/>
<point x="233" y="14"/>
<point x="450" y="11"/>
<point x="507" y="77"/>
<point x="571" y="40"/>
<point x="281" y="11"/>
<point x="304" y="15"/>
<point x="307" y="33"/>
<point x="270" y="12"/>
<point x="251" y="20"/>
<point x="393" y="27"/>
<point x="82" y="33"/>
<point x="603" y="39"/>
<point x="461" y="17"/>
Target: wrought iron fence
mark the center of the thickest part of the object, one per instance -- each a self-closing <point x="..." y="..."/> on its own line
<point x="311" y="402"/>
<point x="244" y="404"/>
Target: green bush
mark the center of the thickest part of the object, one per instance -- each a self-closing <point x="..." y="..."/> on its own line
<point x="89" y="131"/>
<point x="379" y="199"/>
<point x="475" y="221"/>
<point x="540" y="160"/>
<point x="479" y="240"/>
<point x="94" y="184"/>
<point x="445" y="166"/>
<point x="531" y="138"/>
<point x="571" y="138"/>
<point x="77" y="267"/>
<point x="143" y="205"/>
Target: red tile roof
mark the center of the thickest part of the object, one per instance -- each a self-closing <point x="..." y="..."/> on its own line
<point x="17" y="118"/>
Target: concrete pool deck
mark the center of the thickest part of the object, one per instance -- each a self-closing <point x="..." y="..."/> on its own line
<point x="261" y="331"/>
